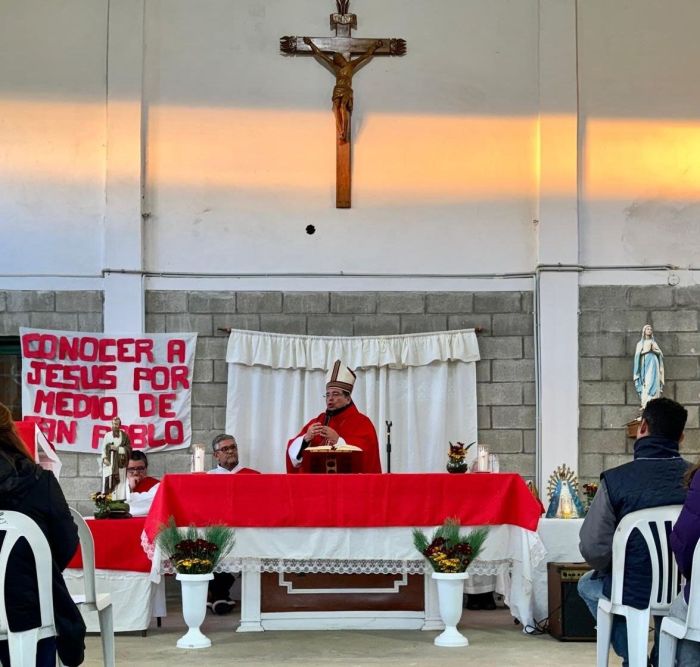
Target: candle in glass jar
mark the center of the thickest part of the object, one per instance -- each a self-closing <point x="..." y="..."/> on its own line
<point x="482" y="459"/>
<point x="197" y="458"/>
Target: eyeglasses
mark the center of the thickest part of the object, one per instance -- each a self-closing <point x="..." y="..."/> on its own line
<point x="227" y="450"/>
<point x="136" y="470"/>
<point x="333" y="394"/>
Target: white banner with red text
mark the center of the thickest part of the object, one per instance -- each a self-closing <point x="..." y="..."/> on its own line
<point x="74" y="384"/>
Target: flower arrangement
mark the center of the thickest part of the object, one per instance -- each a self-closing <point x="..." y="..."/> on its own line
<point x="192" y="550"/>
<point x="456" y="456"/>
<point x="458" y="451"/>
<point x="101" y="499"/>
<point x="106" y="507"/>
<point x="589" y="491"/>
<point x="449" y="550"/>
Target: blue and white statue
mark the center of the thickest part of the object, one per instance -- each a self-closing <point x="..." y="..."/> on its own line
<point x="648" y="372"/>
<point x="564" y="501"/>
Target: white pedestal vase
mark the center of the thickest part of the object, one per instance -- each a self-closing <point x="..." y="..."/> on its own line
<point x="194" y="608"/>
<point x="450" y="589"/>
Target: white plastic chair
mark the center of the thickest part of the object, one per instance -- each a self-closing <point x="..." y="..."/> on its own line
<point x="673" y="629"/>
<point x="22" y="645"/>
<point x="665" y="583"/>
<point x="101" y="603"/>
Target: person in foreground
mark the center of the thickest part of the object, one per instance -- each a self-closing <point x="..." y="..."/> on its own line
<point x="142" y="488"/>
<point x="27" y="488"/>
<point x="225" y="451"/>
<point x="684" y="539"/>
<point x="342" y="423"/>
<point x="654" y="478"/>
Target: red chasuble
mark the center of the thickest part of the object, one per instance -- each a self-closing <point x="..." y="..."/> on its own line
<point x="146" y="484"/>
<point x="355" y="428"/>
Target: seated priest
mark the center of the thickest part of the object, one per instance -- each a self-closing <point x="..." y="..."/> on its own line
<point x="341" y="424"/>
<point x="225" y="450"/>
<point x="142" y="488"/>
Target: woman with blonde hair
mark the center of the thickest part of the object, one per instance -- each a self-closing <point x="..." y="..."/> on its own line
<point x="27" y="488"/>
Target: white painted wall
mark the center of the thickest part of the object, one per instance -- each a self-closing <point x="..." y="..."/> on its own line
<point x="241" y="152"/>
<point x="52" y="136"/>
<point x="640" y="131"/>
<point x="448" y="156"/>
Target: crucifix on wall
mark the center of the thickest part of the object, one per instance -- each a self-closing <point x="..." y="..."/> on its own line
<point x="336" y="53"/>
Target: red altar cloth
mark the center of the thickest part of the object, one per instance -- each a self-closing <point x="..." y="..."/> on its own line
<point x="346" y="501"/>
<point x="117" y="545"/>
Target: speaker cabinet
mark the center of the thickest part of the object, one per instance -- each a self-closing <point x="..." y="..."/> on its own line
<point x="569" y="618"/>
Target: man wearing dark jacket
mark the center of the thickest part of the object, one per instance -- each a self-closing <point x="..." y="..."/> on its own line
<point x="654" y="478"/>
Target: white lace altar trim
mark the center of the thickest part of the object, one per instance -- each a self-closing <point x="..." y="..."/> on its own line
<point x="148" y="546"/>
<point x="327" y="566"/>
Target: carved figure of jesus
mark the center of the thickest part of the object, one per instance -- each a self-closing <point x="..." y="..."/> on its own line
<point x="342" y="91"/>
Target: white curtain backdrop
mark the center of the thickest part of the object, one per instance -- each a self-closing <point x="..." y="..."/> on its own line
<point x="424" y="383"/>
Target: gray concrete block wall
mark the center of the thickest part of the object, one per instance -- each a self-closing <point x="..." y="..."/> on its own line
<point x="67" y="311"/>
<point x="505" y="376"/>
<point x="610" y="325"/>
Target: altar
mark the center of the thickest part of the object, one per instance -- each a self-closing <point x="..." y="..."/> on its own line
<point x="361" y="525"/>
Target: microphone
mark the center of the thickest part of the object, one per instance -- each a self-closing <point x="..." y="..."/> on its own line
<point x="326" y="421"/>
<point x="388" y="445"/>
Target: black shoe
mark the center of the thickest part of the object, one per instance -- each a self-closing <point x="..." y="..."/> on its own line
<point x="487" y="602"/>
<point x="483" y="601"/>
<point x="222" y="607"/>
<point x="473" y="602"/>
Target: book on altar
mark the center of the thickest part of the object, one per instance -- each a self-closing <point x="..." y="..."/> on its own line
<point x="334" y="448"/>
<point x="329" y="459"/>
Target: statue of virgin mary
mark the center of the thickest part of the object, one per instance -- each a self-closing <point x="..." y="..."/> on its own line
<point x="648" y="372"/>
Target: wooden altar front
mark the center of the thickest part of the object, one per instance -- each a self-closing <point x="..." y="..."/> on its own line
<point x="311" y="592"/>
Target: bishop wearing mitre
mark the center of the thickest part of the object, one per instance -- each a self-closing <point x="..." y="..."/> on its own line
<point x="341" y="424"/>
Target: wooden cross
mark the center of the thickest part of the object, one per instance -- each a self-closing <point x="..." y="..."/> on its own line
<point x="341" y="63"/>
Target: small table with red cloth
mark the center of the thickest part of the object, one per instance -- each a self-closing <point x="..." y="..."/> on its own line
<point x="354" y="524"/>
<point x="39" y="447"/>
<point x="122" y="570"/>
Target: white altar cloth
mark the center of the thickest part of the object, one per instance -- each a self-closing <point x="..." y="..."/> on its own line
<point x="560" y="539"/>
<point x="135" y="598"/>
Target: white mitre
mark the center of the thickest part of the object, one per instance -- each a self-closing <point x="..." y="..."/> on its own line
<point x="340" y="376"/>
